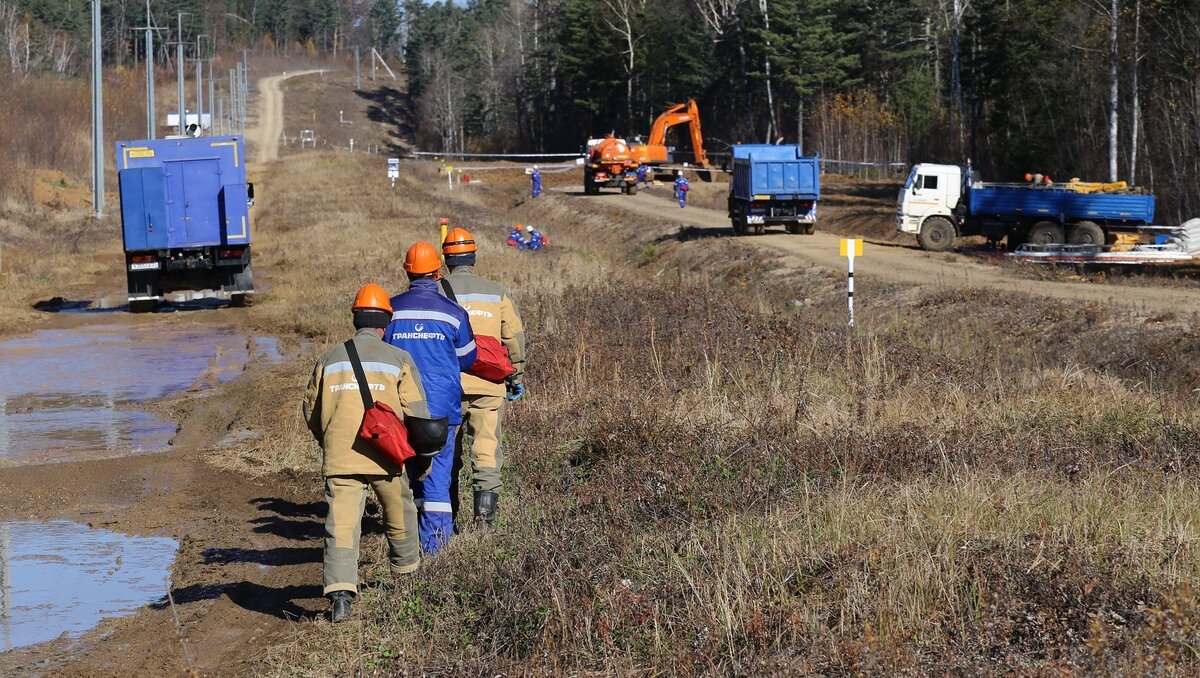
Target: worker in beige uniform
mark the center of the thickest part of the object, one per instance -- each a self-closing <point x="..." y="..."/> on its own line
<point x="333" y="408"/>
<point x="493" y="313"/>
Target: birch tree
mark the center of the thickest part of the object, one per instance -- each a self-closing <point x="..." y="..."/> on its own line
<point x="622" y="17"/>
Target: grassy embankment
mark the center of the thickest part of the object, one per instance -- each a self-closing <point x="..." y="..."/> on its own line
<point x="711" y="477"/>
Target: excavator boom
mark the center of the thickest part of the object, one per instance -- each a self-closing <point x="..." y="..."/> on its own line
<point x="655" y="149"/>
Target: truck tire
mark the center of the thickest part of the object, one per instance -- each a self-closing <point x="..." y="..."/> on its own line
<point x="809" y="229"/>
<point x="142" y="305"/>
<point x="759" y="228"/>
<point x="1086" y="233"/>
<point x="632" y="189"/>
<point x="1045" y="233"/>
<point x="738" y="224"/>
<point x="937" y="234"/>
<point x="794" y="227"/>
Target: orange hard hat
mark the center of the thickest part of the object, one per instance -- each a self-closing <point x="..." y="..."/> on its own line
<point x="372" y="297"/>
<point x="443" y="222"/>
<point x="1028" y="176"/>
<point x="422" y="258"/>
<point x="458" y="241"/>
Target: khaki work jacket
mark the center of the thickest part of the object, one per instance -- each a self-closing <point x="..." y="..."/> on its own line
<point x="333" y="406"/>
<point x="492" y="312"/>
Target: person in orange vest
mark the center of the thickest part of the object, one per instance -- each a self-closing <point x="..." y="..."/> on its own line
<point x="493" y="313"/>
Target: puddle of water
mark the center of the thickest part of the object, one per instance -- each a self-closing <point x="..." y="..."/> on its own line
<point x="62" y="578"/>
<point x="72" y="394"/>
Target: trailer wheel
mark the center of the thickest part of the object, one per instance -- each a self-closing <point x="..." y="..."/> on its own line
<point x="632" y="189"/>
<point x="1045" y="233"/>
<point x="794" y="227"/>
<point x="809" y="229"/>
<point x="1086" y="233"/>
<point x="937" y="234"/>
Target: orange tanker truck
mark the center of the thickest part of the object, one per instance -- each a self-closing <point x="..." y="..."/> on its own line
<point x="610" y="162"/>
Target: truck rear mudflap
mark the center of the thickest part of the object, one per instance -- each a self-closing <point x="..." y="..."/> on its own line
<point x="153" y="274"/>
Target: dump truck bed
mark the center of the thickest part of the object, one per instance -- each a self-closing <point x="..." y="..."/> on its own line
<point x="767" y="172"/>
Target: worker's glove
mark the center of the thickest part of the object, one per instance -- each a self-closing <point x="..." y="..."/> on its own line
<point x="515" y="389"/>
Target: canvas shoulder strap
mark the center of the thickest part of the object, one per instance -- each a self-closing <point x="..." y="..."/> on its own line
<point x="449" y="290"/>
<point x="359" y="375"/>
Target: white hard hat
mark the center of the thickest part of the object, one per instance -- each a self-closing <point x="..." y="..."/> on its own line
<point x="529" y="229"/>
<point x="535" y="166"/>
<point x="678" y="173"/>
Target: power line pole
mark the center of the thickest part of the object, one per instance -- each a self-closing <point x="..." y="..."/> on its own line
<point x="357" y="71"/>
<point x="97" y="115"/>
<point x="151" y="123"/>
<point x="200" y="82"/>
<point x="179" y="68"/>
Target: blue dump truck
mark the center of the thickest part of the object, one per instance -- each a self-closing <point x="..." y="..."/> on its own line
<point x="773" y="185"/>
<point x="941" y="202"/>
<point x="185" y="211"/>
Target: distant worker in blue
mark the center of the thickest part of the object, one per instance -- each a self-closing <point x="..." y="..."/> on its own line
<point x="642" y="172"/>
<point x="535" y="182"/>
<point x="436" y="332"/>
<point x="681" y="188"/>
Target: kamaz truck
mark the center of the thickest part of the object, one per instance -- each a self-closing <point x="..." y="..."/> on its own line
<point x="610" y="162"/>
<point x="941" y="202"/>
<point x="773" y="185"/>
<point x="185" y="213"/>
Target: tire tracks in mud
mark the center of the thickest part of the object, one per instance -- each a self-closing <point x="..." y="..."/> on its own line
<point x="899" y="263"/>
<point x="248" y="563"/>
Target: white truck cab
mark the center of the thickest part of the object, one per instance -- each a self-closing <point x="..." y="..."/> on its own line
<point x="927" y="202"/>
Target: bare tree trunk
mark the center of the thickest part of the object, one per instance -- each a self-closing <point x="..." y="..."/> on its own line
<point x="772" y="127"/>
<point x="1114" y="89"/>
<point x="1136" y="112"/>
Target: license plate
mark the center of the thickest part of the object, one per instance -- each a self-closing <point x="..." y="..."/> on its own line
<point x="752" y="219"/>
<point x="149" y="266"/>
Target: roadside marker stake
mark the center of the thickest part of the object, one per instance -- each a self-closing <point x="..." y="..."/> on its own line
<point x="393" y="169"/>
<point x="851" y="247"/>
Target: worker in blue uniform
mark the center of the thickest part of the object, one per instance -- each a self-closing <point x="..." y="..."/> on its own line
<point x="436" y="332"/>
<point x="681" y="188"/>
<point x="535" y="182"/>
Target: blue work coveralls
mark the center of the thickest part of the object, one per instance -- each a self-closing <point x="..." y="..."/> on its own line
<point x="436" y="332"/>
<point x="535" y="183"/>
<point x="681" y="190"/>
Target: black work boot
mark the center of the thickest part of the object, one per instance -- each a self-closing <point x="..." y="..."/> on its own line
<point x="339" y="610"/>
<point x="485" y="507"/>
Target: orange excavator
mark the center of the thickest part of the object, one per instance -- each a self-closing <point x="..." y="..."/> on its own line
<point x="655" y="148"/>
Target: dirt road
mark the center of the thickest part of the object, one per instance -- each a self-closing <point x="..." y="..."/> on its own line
<point x="265" y="135"/>
<point x="899" y="263"/>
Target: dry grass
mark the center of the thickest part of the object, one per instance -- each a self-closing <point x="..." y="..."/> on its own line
<point x="970" y="483"/>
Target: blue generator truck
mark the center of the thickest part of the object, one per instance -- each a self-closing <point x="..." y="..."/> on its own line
<point x="185" y="213"/>
<point x="941" y="202"/>
<point x="773" y="185"/>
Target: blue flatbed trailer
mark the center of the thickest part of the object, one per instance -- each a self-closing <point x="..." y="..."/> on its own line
<point x="773" y="185"/>
<point x="1061" y="204"/>
<point x="185" y="214"/>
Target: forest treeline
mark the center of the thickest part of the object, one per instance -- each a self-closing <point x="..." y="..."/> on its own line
<point x="1098" y="89"/>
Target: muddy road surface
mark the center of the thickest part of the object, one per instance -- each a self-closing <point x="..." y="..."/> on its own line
<point x="884" y="259"/>
<point x="107" y="505"/>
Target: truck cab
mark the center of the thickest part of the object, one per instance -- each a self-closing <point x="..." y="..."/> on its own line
<point x="927" y="204"/>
